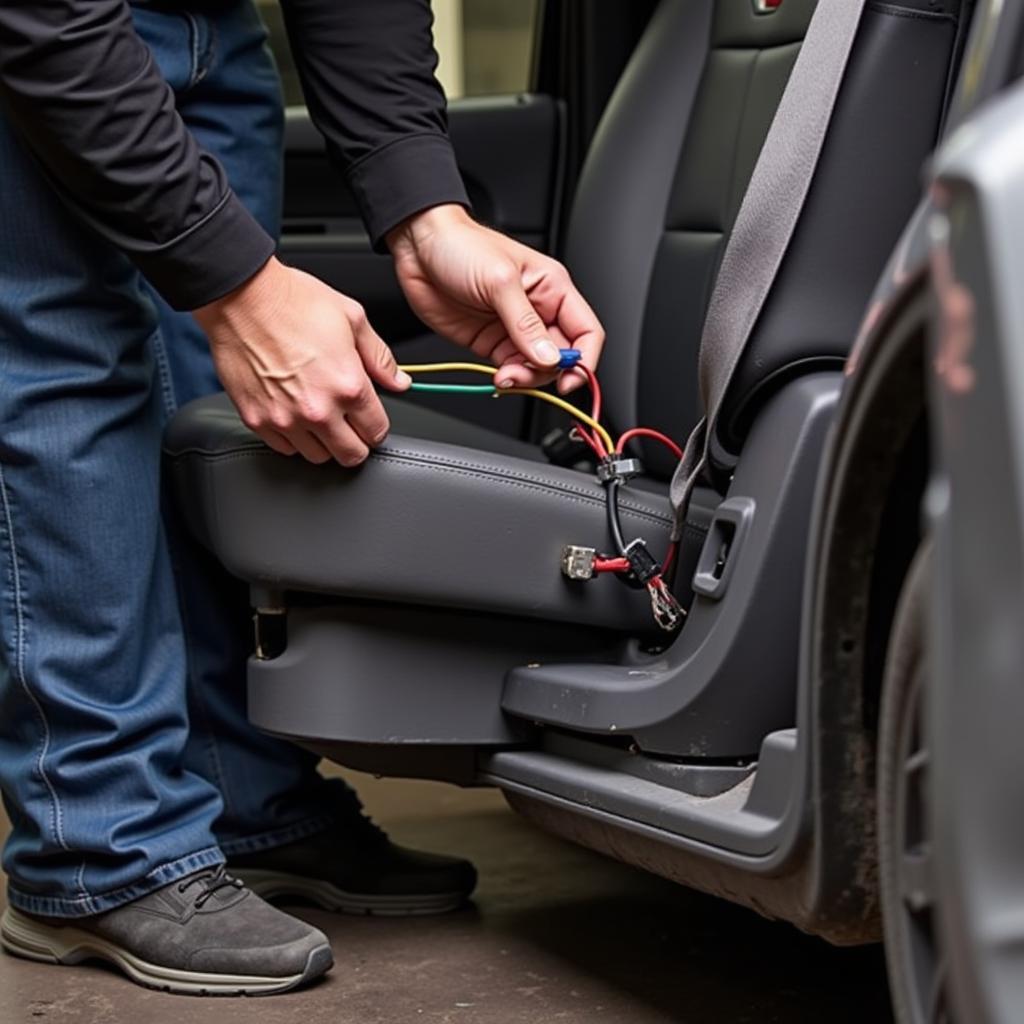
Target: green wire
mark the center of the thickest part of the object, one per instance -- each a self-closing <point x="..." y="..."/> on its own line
<point x="475" y="389"/>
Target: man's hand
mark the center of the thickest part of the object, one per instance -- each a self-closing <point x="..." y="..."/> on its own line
<point x="297" y="358"/>
<point x="509" y="304"/>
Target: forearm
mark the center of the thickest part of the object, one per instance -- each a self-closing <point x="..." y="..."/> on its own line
<point x="367" y="69"/>
<point x="84" y="93"/>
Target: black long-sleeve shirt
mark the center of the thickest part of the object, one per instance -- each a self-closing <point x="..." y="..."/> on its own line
<point x="86" y="96"/>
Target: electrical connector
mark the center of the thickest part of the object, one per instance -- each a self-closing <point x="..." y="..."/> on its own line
<point x="642" y="563"/>
<point x="632" y="563"/>
<point x="578" y="562"/>
<point x="618" y="467"/>
<point x="668" y="612"/>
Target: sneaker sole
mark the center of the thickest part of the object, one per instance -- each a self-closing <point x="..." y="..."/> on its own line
<point x="276" y="885"/>
<point x="66" y="945"/>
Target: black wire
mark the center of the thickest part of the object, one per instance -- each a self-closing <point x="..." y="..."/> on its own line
<point x="611" y="489"/>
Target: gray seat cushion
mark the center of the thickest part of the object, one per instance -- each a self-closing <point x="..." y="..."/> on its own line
<point x="422" y="522"/>
<point x="421" y="421"/>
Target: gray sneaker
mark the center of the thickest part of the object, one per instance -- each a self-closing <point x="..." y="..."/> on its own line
<point x="204" y="935"/>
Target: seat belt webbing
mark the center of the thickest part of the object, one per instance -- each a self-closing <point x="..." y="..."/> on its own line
<point x="766" y="220"/>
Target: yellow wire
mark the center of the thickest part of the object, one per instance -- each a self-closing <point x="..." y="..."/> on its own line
<point x="449" y="368"/>
<point x="532" y="392"/>
<point x="567" y="406"/>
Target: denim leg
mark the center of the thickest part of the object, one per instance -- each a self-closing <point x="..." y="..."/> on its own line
<point x="92" y="666"/>
<point x="230" y="98"/>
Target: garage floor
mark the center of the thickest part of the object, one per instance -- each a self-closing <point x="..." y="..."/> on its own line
<point x="557" y="934"/>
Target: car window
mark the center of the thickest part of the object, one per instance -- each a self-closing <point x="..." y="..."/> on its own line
<point x="484" y="46"/>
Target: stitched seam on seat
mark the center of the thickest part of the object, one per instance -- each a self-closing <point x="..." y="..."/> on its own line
<point x="417" y="457"/>
<point x="541" y="487"/>
<point x="469" y="469"/>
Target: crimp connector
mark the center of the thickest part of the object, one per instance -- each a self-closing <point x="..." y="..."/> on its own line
<point x="578" y="562"/>
<point x="618" y="467"/>
<point x="667" y="611"/>
<point x="568" y="358"/>
<point x="641" y="562"/>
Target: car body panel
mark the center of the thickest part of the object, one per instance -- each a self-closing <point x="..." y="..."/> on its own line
<point x="976" y="513"/>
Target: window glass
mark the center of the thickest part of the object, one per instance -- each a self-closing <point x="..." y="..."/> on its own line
<point x="484" y="46"/>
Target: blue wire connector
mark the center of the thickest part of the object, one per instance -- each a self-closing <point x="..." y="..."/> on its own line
<point x="569" y="358"/>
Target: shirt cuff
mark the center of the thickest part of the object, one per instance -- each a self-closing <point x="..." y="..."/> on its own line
<point x="212" y="258"/>
<point x="402" y="178"/>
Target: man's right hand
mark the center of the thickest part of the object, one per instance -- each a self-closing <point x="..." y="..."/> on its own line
<point x="297" y="359"/>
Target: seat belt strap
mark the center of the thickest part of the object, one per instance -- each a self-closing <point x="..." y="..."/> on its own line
<point x="766" y="220"/>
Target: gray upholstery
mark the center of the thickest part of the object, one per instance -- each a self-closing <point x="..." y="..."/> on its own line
<point x="885" y="124"/>
<point x="478" y="523"/>
<point x="661" y="186"/>
<point x="618" y="214"/>
<point x="422" y="522"/>
<point x="422" y="421"/>
<point x="664" y="179"/>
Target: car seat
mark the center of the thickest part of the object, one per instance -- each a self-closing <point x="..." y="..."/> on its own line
<point x="425" y="610"/>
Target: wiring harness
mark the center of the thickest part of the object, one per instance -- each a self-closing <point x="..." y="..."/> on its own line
<point x="631" y="561"/>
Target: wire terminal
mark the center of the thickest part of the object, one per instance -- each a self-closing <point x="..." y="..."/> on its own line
<point x="668" y="612"/>
<point x="618" y="467"/>
<point x="568" y="358"/>
<point x="578" y="562"/>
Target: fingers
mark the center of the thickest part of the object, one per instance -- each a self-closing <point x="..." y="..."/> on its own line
<point x="278" y="442"/>
<point x="351" y="420"/>
<point x="550" y="312"/>
<point x="583" y="331"/>
<point x="297" y="358"/>
<point x="341" y="418"/>
<point x="286" y="438"/>
<point x="309" y="447"/>
<point x="319" y="438"/>
<point x="377" y="357"/>
<point x="525" y="326"/>
<point x="341" y="443"/>
<point x="515" y="371"/>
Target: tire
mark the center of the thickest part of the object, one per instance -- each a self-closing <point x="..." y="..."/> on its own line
<point x="916" y="967"/>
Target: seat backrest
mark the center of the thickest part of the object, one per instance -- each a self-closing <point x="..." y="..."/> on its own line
<point x="668" y="169"/>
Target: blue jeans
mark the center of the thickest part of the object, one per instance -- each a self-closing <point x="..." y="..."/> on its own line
<point x="126" y="760"/>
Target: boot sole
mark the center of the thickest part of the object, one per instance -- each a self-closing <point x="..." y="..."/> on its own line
<point x="67" y="946"/>
<point x="278" y="886"/>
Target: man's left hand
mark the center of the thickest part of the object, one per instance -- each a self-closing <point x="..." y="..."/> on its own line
<point x="509" y="304"/>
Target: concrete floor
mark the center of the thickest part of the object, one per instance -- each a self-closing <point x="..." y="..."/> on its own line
<point x="556" y="934"/>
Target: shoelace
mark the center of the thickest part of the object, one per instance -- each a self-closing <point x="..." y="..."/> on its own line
<point x="212" y="881"/>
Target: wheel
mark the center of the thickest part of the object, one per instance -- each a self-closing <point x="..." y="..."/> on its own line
<point x="916" y="965"/>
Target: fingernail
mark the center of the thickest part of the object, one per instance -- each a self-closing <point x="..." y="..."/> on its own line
<point x="546" y="351"/>
<point x="402" y="379"/>
<point x="506" y="383"/>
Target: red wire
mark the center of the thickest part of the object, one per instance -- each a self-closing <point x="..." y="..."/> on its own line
<point x="622" y="564"/>
<point x="670" y="557"/>
<point x="591" y="437"/>
<point x="595" y="390"/>
<point x="596" y="445"/>
<point x="655" y="435"/>
<point x="611" y="565"/>
<point x="592" y="443"/>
